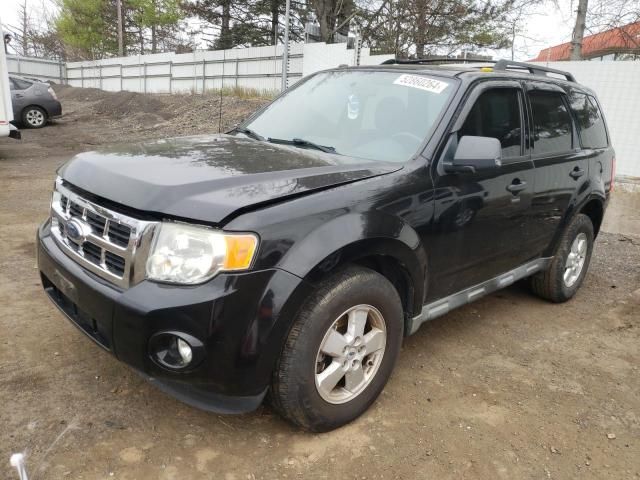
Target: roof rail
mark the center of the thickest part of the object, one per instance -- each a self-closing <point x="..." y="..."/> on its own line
<point x="421" y="61"/>
<point x="532" y="69"/>
<point x="499" y="65"/>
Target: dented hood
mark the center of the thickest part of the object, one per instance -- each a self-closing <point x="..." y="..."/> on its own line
<point x="209" y="177"/>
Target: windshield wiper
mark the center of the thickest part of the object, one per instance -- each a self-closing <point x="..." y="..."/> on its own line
<point x="299" y="142"/>
<point x="249" y="133"/>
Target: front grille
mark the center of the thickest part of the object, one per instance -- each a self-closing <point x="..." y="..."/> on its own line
<point x="119" y="234"/>
<point x="108" y="243"/>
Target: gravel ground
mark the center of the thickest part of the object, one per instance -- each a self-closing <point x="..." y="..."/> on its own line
<point x="510" y="387"/>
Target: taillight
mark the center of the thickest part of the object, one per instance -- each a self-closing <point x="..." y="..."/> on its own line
<point x="52" y="93"/>
<point x="613" y="172"/>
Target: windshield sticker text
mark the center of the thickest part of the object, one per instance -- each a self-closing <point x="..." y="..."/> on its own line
<point x="423" y="83"/>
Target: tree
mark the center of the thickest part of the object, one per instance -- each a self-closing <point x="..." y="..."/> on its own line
<point x="429" y="27"/>
<point x="160" y="17"/>
<point x="247" y="22"/>
<point x="87" y="27"/>
<point x="578" y="30"/>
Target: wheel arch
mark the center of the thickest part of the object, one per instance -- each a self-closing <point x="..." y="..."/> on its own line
<point x="593" y="206"/>
<point x="376" y="240"/>
<point x="594" y="209"/>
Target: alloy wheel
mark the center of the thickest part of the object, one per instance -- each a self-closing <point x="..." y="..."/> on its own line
<point x="575" y="260"/>
<point x="350" y="354"/>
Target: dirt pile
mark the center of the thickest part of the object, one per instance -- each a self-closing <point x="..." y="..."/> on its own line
<point x="155" y="115"/>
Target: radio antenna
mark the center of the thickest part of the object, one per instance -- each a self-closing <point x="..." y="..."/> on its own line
<point x="224" y="58"/>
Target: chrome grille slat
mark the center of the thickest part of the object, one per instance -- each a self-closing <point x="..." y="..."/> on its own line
<point x="117" y="246"/>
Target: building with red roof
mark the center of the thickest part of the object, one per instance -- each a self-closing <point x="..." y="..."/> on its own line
<point x="621" y="43"/>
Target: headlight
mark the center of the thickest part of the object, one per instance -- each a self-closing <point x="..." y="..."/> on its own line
<point x="189" y="254"/>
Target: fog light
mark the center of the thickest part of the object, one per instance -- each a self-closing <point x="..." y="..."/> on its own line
<point x="176" y="350"/>
<point x="185" y="351"/>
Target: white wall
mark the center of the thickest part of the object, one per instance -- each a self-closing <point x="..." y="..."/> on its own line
<point x="617" y="85"/>
<point x="36" y="67"/>
<point x="258" y="68"/>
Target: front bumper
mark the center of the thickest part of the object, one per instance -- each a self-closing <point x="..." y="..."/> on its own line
<point x="241" y="319"/>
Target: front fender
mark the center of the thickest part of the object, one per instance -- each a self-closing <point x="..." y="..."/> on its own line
<point x="356" y="235"/>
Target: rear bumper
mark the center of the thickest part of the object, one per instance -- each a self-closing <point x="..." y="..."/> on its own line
<point x="242" y="321"/>
<point x="54" y="109"/>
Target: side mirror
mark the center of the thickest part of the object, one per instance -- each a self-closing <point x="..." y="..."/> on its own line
<point x="475" y="154"/>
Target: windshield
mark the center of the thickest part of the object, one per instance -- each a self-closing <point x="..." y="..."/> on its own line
<point x="367" y="114"/>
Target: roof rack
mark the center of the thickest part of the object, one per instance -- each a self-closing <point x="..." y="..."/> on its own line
<point x="420" y="61"/>
<point x="499" y="65"/>
<point x="503" y="65"/>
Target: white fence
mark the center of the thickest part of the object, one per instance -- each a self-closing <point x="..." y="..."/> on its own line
<point x="37" y="67"/>
<point x="258" y="68"/>
<point x="616" y="83"/>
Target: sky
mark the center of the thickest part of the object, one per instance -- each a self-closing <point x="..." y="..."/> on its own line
<point x="550" y="24"/>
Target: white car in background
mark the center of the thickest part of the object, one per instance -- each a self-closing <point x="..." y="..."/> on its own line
<point x="6" y="110"/>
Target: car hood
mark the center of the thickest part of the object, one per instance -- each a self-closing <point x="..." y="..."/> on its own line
<point x="209" y="177"/>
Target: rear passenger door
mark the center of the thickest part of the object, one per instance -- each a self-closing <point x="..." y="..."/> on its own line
<point x="561" y="167"/>
<point x="19" y="98"/>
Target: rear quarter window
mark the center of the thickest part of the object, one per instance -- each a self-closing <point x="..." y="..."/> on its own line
<point x="21" y="84"/>
<point x="589" y="121"/>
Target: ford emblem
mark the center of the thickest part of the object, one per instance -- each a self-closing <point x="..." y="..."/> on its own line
<point x="77" y="230"/>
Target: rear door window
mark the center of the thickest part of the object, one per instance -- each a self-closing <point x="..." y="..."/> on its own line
<point x="589" y="121"/>
<point x="496" y="114"/>
<point x="551" y="123"/>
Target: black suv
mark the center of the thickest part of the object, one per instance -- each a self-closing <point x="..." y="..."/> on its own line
<point x="294" y="253"/>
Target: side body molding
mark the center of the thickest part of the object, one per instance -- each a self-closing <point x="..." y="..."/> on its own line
<point x="445" y="305"/>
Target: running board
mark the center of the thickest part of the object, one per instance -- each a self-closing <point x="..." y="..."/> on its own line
<point x="445" y="305"/>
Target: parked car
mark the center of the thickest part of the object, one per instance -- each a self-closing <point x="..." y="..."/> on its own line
<point x="293" y="254"/>
<point x="34" y="103"/>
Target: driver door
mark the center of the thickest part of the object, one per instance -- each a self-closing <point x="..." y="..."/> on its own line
<point x="480" y="218"/>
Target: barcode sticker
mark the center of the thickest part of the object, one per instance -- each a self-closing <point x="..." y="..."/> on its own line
<point x="423" y="83"/>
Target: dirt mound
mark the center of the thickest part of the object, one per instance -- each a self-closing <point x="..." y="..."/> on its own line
<point x="120" y="104"/>
<point x="129" y="116"/>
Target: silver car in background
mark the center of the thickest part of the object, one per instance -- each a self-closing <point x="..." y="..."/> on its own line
<point x="34" y="103"/>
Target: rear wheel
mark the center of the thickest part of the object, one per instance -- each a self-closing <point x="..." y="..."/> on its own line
<point x="569" y="265"/>
<point x="34" y="117"/>
<point x="340" y="351"/>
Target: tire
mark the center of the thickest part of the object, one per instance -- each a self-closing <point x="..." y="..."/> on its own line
<point x="295" y="390"/>
<point x="555" y="284"/>
<point x="34" y="117"/>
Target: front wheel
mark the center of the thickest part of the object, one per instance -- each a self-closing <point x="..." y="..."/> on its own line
<point x="340" y="351"/>
<point x="569" y="265"/>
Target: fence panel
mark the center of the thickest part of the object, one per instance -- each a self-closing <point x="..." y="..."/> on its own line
<point x="36" y="67"/>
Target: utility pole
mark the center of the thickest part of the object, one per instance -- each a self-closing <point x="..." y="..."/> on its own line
<point x="285" y="53"/>
<point x="578" y="30"/>
<point x="120" y="38"/>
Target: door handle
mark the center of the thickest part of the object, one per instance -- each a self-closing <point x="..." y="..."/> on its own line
<point x="19" y="95"/>
<point x="577" y="173"/>
<point x="516" y="188"/>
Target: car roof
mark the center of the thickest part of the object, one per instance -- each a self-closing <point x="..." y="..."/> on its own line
<point x="472" y="72"/>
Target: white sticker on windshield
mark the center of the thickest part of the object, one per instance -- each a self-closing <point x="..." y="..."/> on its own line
<point x="423" y="83"/>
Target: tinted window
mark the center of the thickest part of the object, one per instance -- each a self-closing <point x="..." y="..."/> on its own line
<point x="552" y="123"/>
<point x="21" y="84"/>
<point x="496" y="114"/>
<point x="589" y="120"/>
